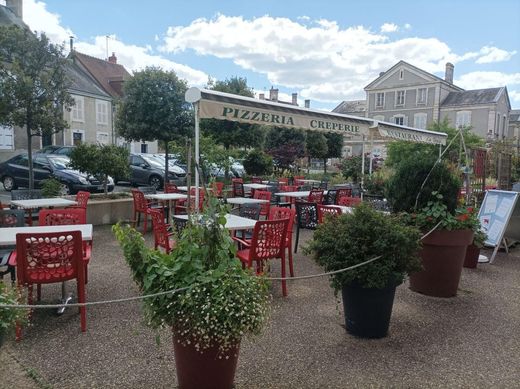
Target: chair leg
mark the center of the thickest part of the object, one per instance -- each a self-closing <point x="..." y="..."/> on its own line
<point x="82" y="310"/>
<point x="284" y="283"/>
<point x="291" y="269"/>
<point x="297" y="237"/>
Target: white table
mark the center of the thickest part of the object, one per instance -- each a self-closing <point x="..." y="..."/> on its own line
<point x="185" y="188"/>
<point x="233" y="222"/>
<point x="343" y="208"/>
<point x="245" y="200"/>
<point x="169" y="197"/>
<point x="43" y="203"/>
<point x="299" y="194"/>
<point x="309" y="181"/>
<point x="256" y="186"/>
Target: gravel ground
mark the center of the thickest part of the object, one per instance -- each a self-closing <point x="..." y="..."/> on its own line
<point x="471" y="340"/>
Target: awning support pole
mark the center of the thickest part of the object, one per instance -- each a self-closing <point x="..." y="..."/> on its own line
<point x="197" y="136"/>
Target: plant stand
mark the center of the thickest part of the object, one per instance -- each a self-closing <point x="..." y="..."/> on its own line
<point x="368" y="310"/>
<point x="209" y="369"/>
<point x="442" y="257"/>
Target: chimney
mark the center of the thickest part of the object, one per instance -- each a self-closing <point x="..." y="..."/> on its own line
<point x="112" y="58"/>
<point x="307" y="103"/>
<point x="273" y="94"/>
<point x="261" y="96"/>
<point x="295" y="99"/>
<point x="448" y="76"/>
<point x="71" y="43"/>
<point x="16" y="6"/>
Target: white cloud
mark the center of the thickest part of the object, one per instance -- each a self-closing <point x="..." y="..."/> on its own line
<point x="130" y="56"/>
<point x="494" y="54"/>
<point x="389" y="27"/>
<point x="514" y="96"/>
<point x="479" y="80"/>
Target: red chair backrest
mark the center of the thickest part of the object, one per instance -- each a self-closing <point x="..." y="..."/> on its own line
<point x="283" y="181"/>
<point x="44" y="258"/>
<point x="170" y="188"/>
<point x="288" y="188"/>
<point x="218" y="187"/>
<point x="268" y="239"/>
<point x="277" y="213"/>
<point x="327" y="210"/>
<point x="297" y="180"/>
<point x="256" y="180"/>
<point x="263" y="195"/>
<point x="349" y="201"/>
<point x="140" y="203"/>
<point x="345" y="192"/>
<point x="160" y="230"/>
<point x="82" y="199"/>
<point x="237" y="179"/>
<point x="315" y="196"/>
<point x="60" y="217"/>
<point x="238" y="189"/>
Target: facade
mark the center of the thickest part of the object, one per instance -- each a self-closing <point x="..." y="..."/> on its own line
<point x="410" y="96"/>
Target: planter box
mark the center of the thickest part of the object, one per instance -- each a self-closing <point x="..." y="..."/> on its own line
<point x="101" y="212"/>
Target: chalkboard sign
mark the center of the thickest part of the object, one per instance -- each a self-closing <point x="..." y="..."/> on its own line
<point x="495" y="215"/>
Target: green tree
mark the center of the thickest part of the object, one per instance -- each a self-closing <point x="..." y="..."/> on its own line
<point x="258" y="163"/>
<point x="334" y="146"/>
<point x="153" y="108"/>
<point x="285" y="145"/>
<point x="101" y="161"/>
<point x="33" y="85"/>
<point x="229" y="133"/>
<point x="316" y="147"/>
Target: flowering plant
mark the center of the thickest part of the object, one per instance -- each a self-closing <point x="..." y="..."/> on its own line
<point x="8" y="316"/>
<point x="218" y="301"/>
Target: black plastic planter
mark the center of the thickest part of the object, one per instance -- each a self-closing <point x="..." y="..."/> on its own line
<point x="368" y="310"/>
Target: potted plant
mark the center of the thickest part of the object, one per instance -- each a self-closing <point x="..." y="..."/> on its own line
<point x="218" y="303"/>
<point x="448" y="235"/>
<point x="367" y="291"/>
<point x="9" y="316"/>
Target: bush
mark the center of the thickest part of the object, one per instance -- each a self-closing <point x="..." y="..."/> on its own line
<point x="354" y="238"/>
<point x="51" y="187"/>
<point x="405" y="184"/>
<point x="258" y="163"/>
<point x="8" y="316"/>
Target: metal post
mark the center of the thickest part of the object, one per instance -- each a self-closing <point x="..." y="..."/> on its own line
<point x="370" y="168"/>
<point x="197" y="136"/>
<point x="362" y="161"/>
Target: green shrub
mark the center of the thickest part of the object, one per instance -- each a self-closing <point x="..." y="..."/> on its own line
<point x="405" y="184"/>
<point x="354" y="238"/>
<point x="51" y="187"/>
<point x="9" y="316"/>
<point x="258" y="163"/>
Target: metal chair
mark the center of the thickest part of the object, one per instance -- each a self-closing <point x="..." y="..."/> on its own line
<point x="250" y="211"/>
<point x="44" y="258"/>
<point x="326" y="211"/>
<point x="238" y="189"/>
<point x="28" y="194"/>
<point x="9" y="218"/>
<point x="268" y="242"/>
<point x="330" y="197"/>
<point x="306" y="217"/>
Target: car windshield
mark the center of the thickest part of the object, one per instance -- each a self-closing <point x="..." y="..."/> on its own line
<point x="59" y="163"/>
<point x="153" y="162"/>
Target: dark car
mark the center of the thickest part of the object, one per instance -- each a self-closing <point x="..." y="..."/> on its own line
<point x="14" y="173"/>
<point x="148" y="170"/>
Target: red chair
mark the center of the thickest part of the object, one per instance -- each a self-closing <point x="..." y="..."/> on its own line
<point x="288" y="188"/>
<point x="161" y="235"/>
<point x="256" y="180"/>
<point x="283" y="181"/>
<point x="44" y="258"/>
<point x="180" y="207"/>
<point x="268" y="242"/>
<point x="297" y="180"/>
<point x="238" y="189"/>
<point x="170" y="188"/>
<point x="82" y="198"/>
<point x="218" y="189"/>
<point x="278" y="213"/>
<point x="263" y="195"/>
<point x="326" y="211"/>
<point x="141" y="206"/>
<point x="237" y="179"/>
<point x="347" y="201"/>
<point x="345" y="192"/>
<point x="315" y="196"/>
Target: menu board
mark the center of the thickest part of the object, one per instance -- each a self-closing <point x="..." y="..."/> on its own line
<point x="495" y="215"/>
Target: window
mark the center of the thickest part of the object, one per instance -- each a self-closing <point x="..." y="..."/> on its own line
<point x="380" y="100"/>
<point x="6" y="138"/>
<point x="379" y="118"/>
<point x="136" y="161"/>
<point x="78" y="137"/>
<point x="400" y="119"/>
<point x="102" y="112"/>
<point x="144" y="148"/>
<point x="463" y="119"/>
<point x="401" y="74"/>
<point x="399" y="97"/>
<point x="421" y="96"/>
<point x="78" y="114"/>
<point x="102" y="138"/>
<point x="419" y="120"/>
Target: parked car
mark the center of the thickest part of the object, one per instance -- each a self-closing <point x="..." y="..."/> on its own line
<point x="14" y="173"/>
<point x="149" y="170"/>
<point x="64" y="150"/>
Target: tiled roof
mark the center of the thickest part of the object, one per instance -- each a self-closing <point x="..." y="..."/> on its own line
<point x="472" y="97"/>
<point x="351" y="106"/>
<point x="109" y="75"/>
<point x="82" y="82"/>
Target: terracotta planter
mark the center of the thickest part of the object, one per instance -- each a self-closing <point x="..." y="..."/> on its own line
<point x="472" y="254"/>
<point x="209" y="369"/>
<point x="442" y="255"/>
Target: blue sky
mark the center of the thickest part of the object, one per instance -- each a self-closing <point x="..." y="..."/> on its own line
<point x="326" y="51"/>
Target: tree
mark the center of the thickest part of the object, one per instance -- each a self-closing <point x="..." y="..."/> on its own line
<point x="153" y="108"/>
<point x="33" y="85"/>
<point x="258" y="163"/>
<point x="229" y="133"/>
<point x="101" y="161"/>
<point x="316" y="146"/>
<point x="285" y="145"/>
<point x="334" y="146"/>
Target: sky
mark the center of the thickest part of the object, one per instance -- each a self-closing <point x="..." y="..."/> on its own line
<point x="326" y="51"/>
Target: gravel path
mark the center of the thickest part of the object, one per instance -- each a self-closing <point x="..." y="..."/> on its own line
<point x="468" y="341"/>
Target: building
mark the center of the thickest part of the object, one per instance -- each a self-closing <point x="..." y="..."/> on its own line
<point x="273" y="96"/>
<point x="410" y="96"/>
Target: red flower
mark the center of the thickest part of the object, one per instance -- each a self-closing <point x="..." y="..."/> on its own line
<point x="463" y="217"/>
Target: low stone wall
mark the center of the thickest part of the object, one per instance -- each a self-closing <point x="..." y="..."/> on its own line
<point x="101" y="212"/>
